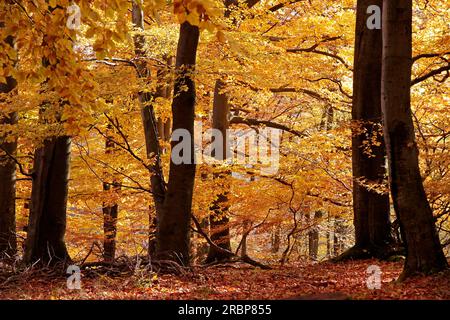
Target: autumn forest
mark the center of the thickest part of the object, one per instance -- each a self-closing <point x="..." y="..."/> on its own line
<point x="225" y="149"/>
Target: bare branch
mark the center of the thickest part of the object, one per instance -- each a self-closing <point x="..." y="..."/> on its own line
<point x="267" y="123"/>
<point x="431" y="74"/>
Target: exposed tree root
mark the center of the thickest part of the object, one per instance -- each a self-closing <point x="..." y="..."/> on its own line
<point x="358" y="253"/>
<point x="130" y="265"/>
<point x="232" y="256"/>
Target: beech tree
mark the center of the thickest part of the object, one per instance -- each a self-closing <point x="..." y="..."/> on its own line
<point x="370" y="201"/>
<point x="173" y="239"/>
<point x="48" y="205"/>
<point x="219" y="220"/>
<point x="100" y="78"/>
<point x="150" y="124"/>
<point x="423" y="249"/>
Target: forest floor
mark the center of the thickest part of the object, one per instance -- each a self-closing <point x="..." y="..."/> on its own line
<point x="238" y="281"/>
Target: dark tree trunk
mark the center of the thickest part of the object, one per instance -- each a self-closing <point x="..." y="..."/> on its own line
<point x="173" y="239"/>
<point x="370" y="208"/>
<point x="8" y="242"/>
<point x="47" y="220"/>
<point x="48" y="205"/>
<point x="424" y="252"/>
<point x="149" y="121"/>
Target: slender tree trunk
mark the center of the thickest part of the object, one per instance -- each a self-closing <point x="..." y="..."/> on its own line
<point x="47" y="220"/>
<point x="424" y="252"/>
<point x="8" y="242"/>
<point x="173" y="239"/>
<point x="163" y="90"/>
<point x="219" y="220"/>
<point x="149" y="121"/>
<point x="370" y="208"/>
<point x="110" y="215"/>
<point x="110" y="210"/>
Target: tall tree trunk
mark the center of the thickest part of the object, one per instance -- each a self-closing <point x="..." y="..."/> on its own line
<point x="370" y="208"/>
<point x="173" y="239"/>
<point x="149" y="121"/>
<point x="219" y="220"/>
<point x="8" y="242"/>
<point x="110" y="210"/>
<point x="424" y="252"/>
<point x="47" y="220"/>
<point x="50" y="187"/>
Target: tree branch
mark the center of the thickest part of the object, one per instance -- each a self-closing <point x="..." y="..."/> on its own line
<point x="17" y="162"/>
<point x="267" y="123"/>
<point x="430" y="74"/>
<point x="245" y="259"/>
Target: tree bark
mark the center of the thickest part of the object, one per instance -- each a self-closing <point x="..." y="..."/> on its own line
<point x="424" y="252"/>
<point x="220" y="231"/>
<point x="47" y="220"/>
<point x="48" y="205"/>
<point x="173" y="239"/>
<point x="219" y="220"/>
<point x="149" y="121"/>
<point x="110" y="211"/>
<point x="370" y="208"/>
<point x="110" y="215"/>
<point x="8" y="242"/>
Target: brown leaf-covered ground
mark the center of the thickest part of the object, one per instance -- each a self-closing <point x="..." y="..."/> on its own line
<point x="240" y="282"/>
